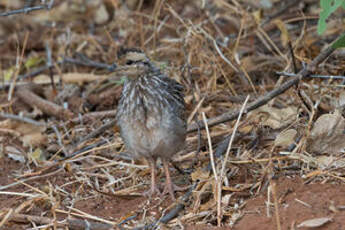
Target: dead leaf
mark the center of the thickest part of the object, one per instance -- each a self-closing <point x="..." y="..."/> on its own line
<point x="208" y="205"/>
<point x="285" y="138"/>
<point x="200" y="174"/>
<point x="11" y="4"/>
<point x="226" y="200"/>
<point x="284" y="34"/>
<point x="314" y="223"/>
<point x="30" y="135"/>
<point x="330" y="161"/>
<point x="257" y="16"/>
<point x="327" y="135"/>
<point x="14" y="154"/>
<point x="69" y="11"/>
<point x="34" y="138"/>
<point x="274" y="117"/>
<point x="101" y="15"/>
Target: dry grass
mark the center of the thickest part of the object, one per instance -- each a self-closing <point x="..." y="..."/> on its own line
<point x="221" y="52"/>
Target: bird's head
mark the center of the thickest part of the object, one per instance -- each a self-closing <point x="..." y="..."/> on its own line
<point x="133" y="63"/>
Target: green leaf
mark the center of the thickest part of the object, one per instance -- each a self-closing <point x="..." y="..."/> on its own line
<point x="163" y="66"/>
<point x="9" y="73"/>
<point x="38" y="155"/>
<point x="327" y="8"/>
<point x="340" y="42"/>
<point x="33" y="61"/>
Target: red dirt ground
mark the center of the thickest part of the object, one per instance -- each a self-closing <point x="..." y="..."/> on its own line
<point x="323" y="200"/>
<point x="320" y="197"/>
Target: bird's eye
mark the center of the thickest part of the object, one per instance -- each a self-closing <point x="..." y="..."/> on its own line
<point x="129" y="62"/>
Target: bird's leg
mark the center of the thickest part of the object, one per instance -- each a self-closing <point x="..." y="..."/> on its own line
<point x="168" y="184"/>
<point x="154" y="189"/>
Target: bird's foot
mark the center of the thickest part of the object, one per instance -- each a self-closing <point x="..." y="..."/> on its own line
<point x="171" y="188"/>
<point x="153" y="191"/>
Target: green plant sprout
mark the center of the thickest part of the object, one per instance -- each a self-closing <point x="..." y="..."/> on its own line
<point x="327" y="8"/>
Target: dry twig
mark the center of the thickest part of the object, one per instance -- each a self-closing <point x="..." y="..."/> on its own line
<point x="26" y="10"/>
<point x="47" y="107"/>
<point x="70" y="223"/>
<point x="270" y="95"/>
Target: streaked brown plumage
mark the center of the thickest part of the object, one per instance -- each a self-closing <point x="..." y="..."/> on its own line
<point x="151" y="113"/>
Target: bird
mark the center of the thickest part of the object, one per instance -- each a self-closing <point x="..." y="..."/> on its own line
<point x="150" y="114"/>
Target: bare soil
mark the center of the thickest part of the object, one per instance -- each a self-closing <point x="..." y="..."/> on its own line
<point x="298" y="201"/>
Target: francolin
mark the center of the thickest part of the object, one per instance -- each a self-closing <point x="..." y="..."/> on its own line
<point x="150" y="114"/>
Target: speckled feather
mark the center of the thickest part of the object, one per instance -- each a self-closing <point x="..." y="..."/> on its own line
<point x="151" y="115"/>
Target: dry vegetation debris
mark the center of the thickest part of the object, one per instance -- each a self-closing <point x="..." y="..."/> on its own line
<point x="64" y="165"/>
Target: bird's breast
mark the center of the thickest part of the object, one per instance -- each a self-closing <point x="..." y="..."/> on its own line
<point x="149" y="117"/>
